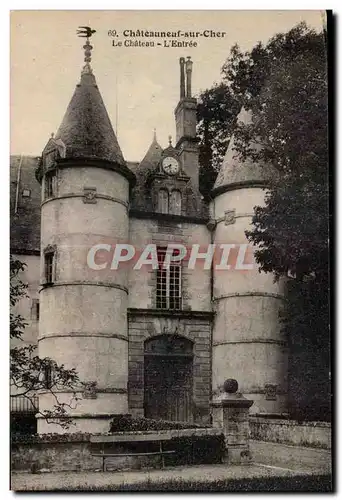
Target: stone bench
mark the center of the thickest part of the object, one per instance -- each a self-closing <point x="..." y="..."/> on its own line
<point x="130" y="439"/>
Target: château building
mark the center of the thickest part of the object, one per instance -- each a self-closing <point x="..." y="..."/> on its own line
<point x="158" y="342"/>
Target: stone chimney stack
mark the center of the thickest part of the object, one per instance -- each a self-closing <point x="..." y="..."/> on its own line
<point x="182" y="77"/>
<point x="188" y="66"/>
<point x="186" y="121"/>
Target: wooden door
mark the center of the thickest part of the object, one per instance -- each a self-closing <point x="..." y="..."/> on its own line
<point x="168" y="388"/>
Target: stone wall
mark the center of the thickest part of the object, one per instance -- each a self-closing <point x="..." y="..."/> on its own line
<point x="55" y="454"/>
<point x="315" y="434"/>
<point x="53" y="457"/>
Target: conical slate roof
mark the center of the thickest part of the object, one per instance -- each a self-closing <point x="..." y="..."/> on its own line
<point x="234" y="171"/>
<point x="86" y="129"/>
<point x="148" y="164"/>
<point x="152" y="157"/>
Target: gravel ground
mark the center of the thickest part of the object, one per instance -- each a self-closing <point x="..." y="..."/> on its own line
<point x="271" y="460"/>
<point x="89" y="480"/>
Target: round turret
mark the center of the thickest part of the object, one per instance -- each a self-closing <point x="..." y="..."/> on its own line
<point x="83" y="318"/>
<point x="247" y="339"/>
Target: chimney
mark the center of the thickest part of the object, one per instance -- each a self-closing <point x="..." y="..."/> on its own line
<point x="188" y="66"/>
<point x="182" y="77"/>
<point x="186" y="120"/>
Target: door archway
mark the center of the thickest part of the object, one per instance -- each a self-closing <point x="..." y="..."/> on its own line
<point x="168" y="361"/>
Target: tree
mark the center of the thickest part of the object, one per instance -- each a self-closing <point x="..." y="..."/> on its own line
<point x="244" y="75"/>
<point x="284" y="84"/>
<point x="30" y="374"/>
<point x="216" y="115"/>
<point x="291" y="231"/>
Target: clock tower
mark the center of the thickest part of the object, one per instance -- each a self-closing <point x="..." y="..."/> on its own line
<point x="167" y="179"/>
<point x="168" y="183"/>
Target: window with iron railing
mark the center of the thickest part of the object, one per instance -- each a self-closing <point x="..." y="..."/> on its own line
<point x="168" y="292"/>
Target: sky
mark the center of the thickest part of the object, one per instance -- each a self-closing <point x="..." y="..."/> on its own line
<point x="139" y="85"/>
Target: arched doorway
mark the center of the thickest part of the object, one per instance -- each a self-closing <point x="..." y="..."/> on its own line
<point x="168" y="378"/>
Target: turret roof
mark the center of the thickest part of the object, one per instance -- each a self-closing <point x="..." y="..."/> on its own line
<point x="234" y="171"/>
<point x="86" y="129"/>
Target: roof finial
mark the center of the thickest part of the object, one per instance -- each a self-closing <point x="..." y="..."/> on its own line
<point x="154" y="134"/>
<point x="170" y="140"/>
<point x="52" y="135"/>
<point x="86" y="32"/>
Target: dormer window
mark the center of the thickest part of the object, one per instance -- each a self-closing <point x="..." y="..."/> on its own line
<point x="163" y="201"/>
<point x="175" y="202"/>
<point x="169" y="203"/>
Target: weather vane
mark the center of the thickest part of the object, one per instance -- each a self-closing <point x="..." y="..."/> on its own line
<point x="86" y="32"/>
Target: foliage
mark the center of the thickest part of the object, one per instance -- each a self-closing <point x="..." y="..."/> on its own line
<point x="292" y="230"/>
<point x="125" y="423"/>
<point x="290" y="125"/>
<point x="30" y="374"/>
<point x="244" y="76"/>
<point x="53" y="437"/>
<point x="216" y="115"/>
<point x="197" y="450"/>
<point x="17" y="291"/>
<point x="284" y="84"/>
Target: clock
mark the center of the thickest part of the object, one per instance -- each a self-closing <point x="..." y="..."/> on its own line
<point x="170" y="165"/>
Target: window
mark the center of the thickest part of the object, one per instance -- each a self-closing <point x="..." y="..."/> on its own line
<point x="49" y="185"/>
<point x="49" y="261"/>
<point x="35" y="309"/>
<point x="163" y="201"/>
<point x="168" y="282"/>
<point x="26" y="193"/>
<point x="175" y="202"/>
<point x="48" y="376"/>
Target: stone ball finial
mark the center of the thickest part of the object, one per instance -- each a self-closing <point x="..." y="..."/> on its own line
<point x="230" y="385"/>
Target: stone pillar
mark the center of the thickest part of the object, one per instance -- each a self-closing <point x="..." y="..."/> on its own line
<point x="230" y="412"/>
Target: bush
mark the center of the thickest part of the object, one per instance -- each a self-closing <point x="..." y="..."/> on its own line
<point x="197" y="450"/>
<point x="17" y="438"/>
<point x="126" y="423"/>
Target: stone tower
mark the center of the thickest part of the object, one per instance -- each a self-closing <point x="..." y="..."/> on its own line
<point x="247" y="343"/>
<point x="83" y="318"/>
<point x="186" y="120"/>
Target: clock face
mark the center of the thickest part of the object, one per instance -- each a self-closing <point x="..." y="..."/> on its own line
<point x="170" y="165"/>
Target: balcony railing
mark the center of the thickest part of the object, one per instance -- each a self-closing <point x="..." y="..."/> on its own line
<point x="20" y="404"/>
